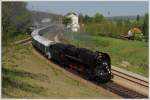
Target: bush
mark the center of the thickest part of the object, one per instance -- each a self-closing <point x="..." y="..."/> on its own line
<point x="139" y="36"/>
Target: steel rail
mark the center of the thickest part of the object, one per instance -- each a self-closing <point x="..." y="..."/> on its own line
<point x="130" y="78"/>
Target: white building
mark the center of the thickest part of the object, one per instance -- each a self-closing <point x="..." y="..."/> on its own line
<point x="74" y="25"/>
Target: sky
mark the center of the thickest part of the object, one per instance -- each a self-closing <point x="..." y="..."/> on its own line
<point x="107" y="8"/>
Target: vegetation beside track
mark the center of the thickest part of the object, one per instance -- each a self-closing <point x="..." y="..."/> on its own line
<point x="27" y="75"/>
<point x="135" y="53"/>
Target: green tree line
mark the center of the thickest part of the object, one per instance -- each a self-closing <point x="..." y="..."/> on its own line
<point x="99" y="25"/>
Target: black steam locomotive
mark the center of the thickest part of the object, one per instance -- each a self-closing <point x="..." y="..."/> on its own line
<point x="94" y="65"/>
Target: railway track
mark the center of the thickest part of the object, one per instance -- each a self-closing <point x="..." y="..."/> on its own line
<point x="23" y="41"/>
<point x="131" y="81"/>
<point x="114" y="87"/>
<point x="131" y="78"/>
<point x="122" y="91"/>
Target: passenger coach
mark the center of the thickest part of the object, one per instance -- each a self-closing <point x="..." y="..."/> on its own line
<point x="42" y="44"/>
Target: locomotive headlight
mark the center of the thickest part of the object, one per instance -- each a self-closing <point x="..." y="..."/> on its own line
<point x="105" y="64"/>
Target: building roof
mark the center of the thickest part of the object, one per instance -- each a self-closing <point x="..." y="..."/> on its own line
<point x="43" y="40"/>
<point x="136" y="30"/>
<point x="71" y="13"/>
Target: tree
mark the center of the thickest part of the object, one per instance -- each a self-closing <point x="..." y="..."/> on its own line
<point x="120" y="25"/>
<point x="15" y="19"/>
<point x="98" y="18"/>
<point x="145" y="26"/>
<point x="87" y="19"/>
<point x="137" y="18"/>
<point x="66" y="20"/>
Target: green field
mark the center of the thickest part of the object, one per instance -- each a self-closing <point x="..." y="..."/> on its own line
<point x="133" y="53"/>
<point x="26" y="75"/>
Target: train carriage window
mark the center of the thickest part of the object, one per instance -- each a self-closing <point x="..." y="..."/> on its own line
<point x="47" y="49"/>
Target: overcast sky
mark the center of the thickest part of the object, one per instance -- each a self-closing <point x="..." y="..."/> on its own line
<point x="107" y="8"/>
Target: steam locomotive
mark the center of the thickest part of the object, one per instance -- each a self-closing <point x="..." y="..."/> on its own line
<point x="93" y="65"/>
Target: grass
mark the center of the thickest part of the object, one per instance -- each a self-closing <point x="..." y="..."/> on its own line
<point x="26" y="75"/>
<point x="17" y="83"/>
<point x="133" y="52"/>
